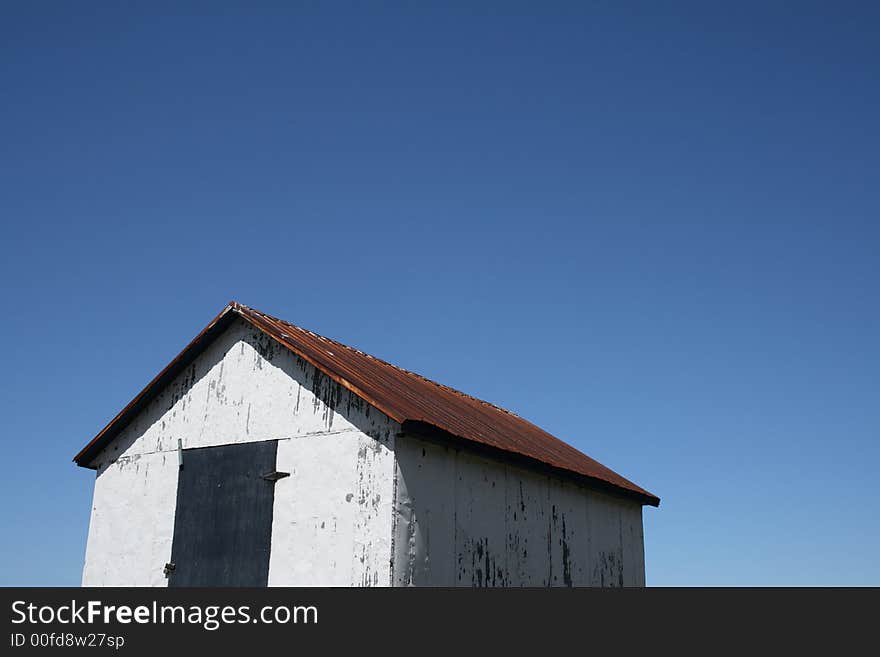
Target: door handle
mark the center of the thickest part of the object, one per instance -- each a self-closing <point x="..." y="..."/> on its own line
<point x="275" y="476"/>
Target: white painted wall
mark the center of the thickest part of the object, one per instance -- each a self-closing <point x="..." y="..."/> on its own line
<point x="465" y="520"/>
<point x="332" y="516"/>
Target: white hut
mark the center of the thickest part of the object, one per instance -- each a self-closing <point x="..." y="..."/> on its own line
<point x="265" y="454"/>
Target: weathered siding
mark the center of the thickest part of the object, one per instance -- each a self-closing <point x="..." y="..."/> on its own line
<point x="334" y="527"/>
<point x="465" y="520"/>
<point x="332" y="516"/>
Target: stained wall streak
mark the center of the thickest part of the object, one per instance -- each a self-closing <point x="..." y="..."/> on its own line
<point x="466" y="520"/>
<point x="332" y="516"/>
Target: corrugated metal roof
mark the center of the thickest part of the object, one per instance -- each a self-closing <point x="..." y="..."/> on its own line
<point x="420" y="405"/>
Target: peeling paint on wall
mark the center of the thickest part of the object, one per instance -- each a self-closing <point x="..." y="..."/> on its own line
<point x="466" y="520"/>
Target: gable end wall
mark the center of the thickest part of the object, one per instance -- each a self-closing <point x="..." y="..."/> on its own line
<point x="331" y="518"/>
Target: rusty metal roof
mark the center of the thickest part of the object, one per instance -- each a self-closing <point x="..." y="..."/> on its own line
<point x="422" y="407"/>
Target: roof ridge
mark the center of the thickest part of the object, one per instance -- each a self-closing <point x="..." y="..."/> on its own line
<point x="383" y="361"/>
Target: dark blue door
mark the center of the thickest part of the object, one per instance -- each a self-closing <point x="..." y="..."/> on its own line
<point x="223" y="521"/>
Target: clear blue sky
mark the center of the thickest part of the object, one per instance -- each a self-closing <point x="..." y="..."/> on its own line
<point x="651" y="230"/>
